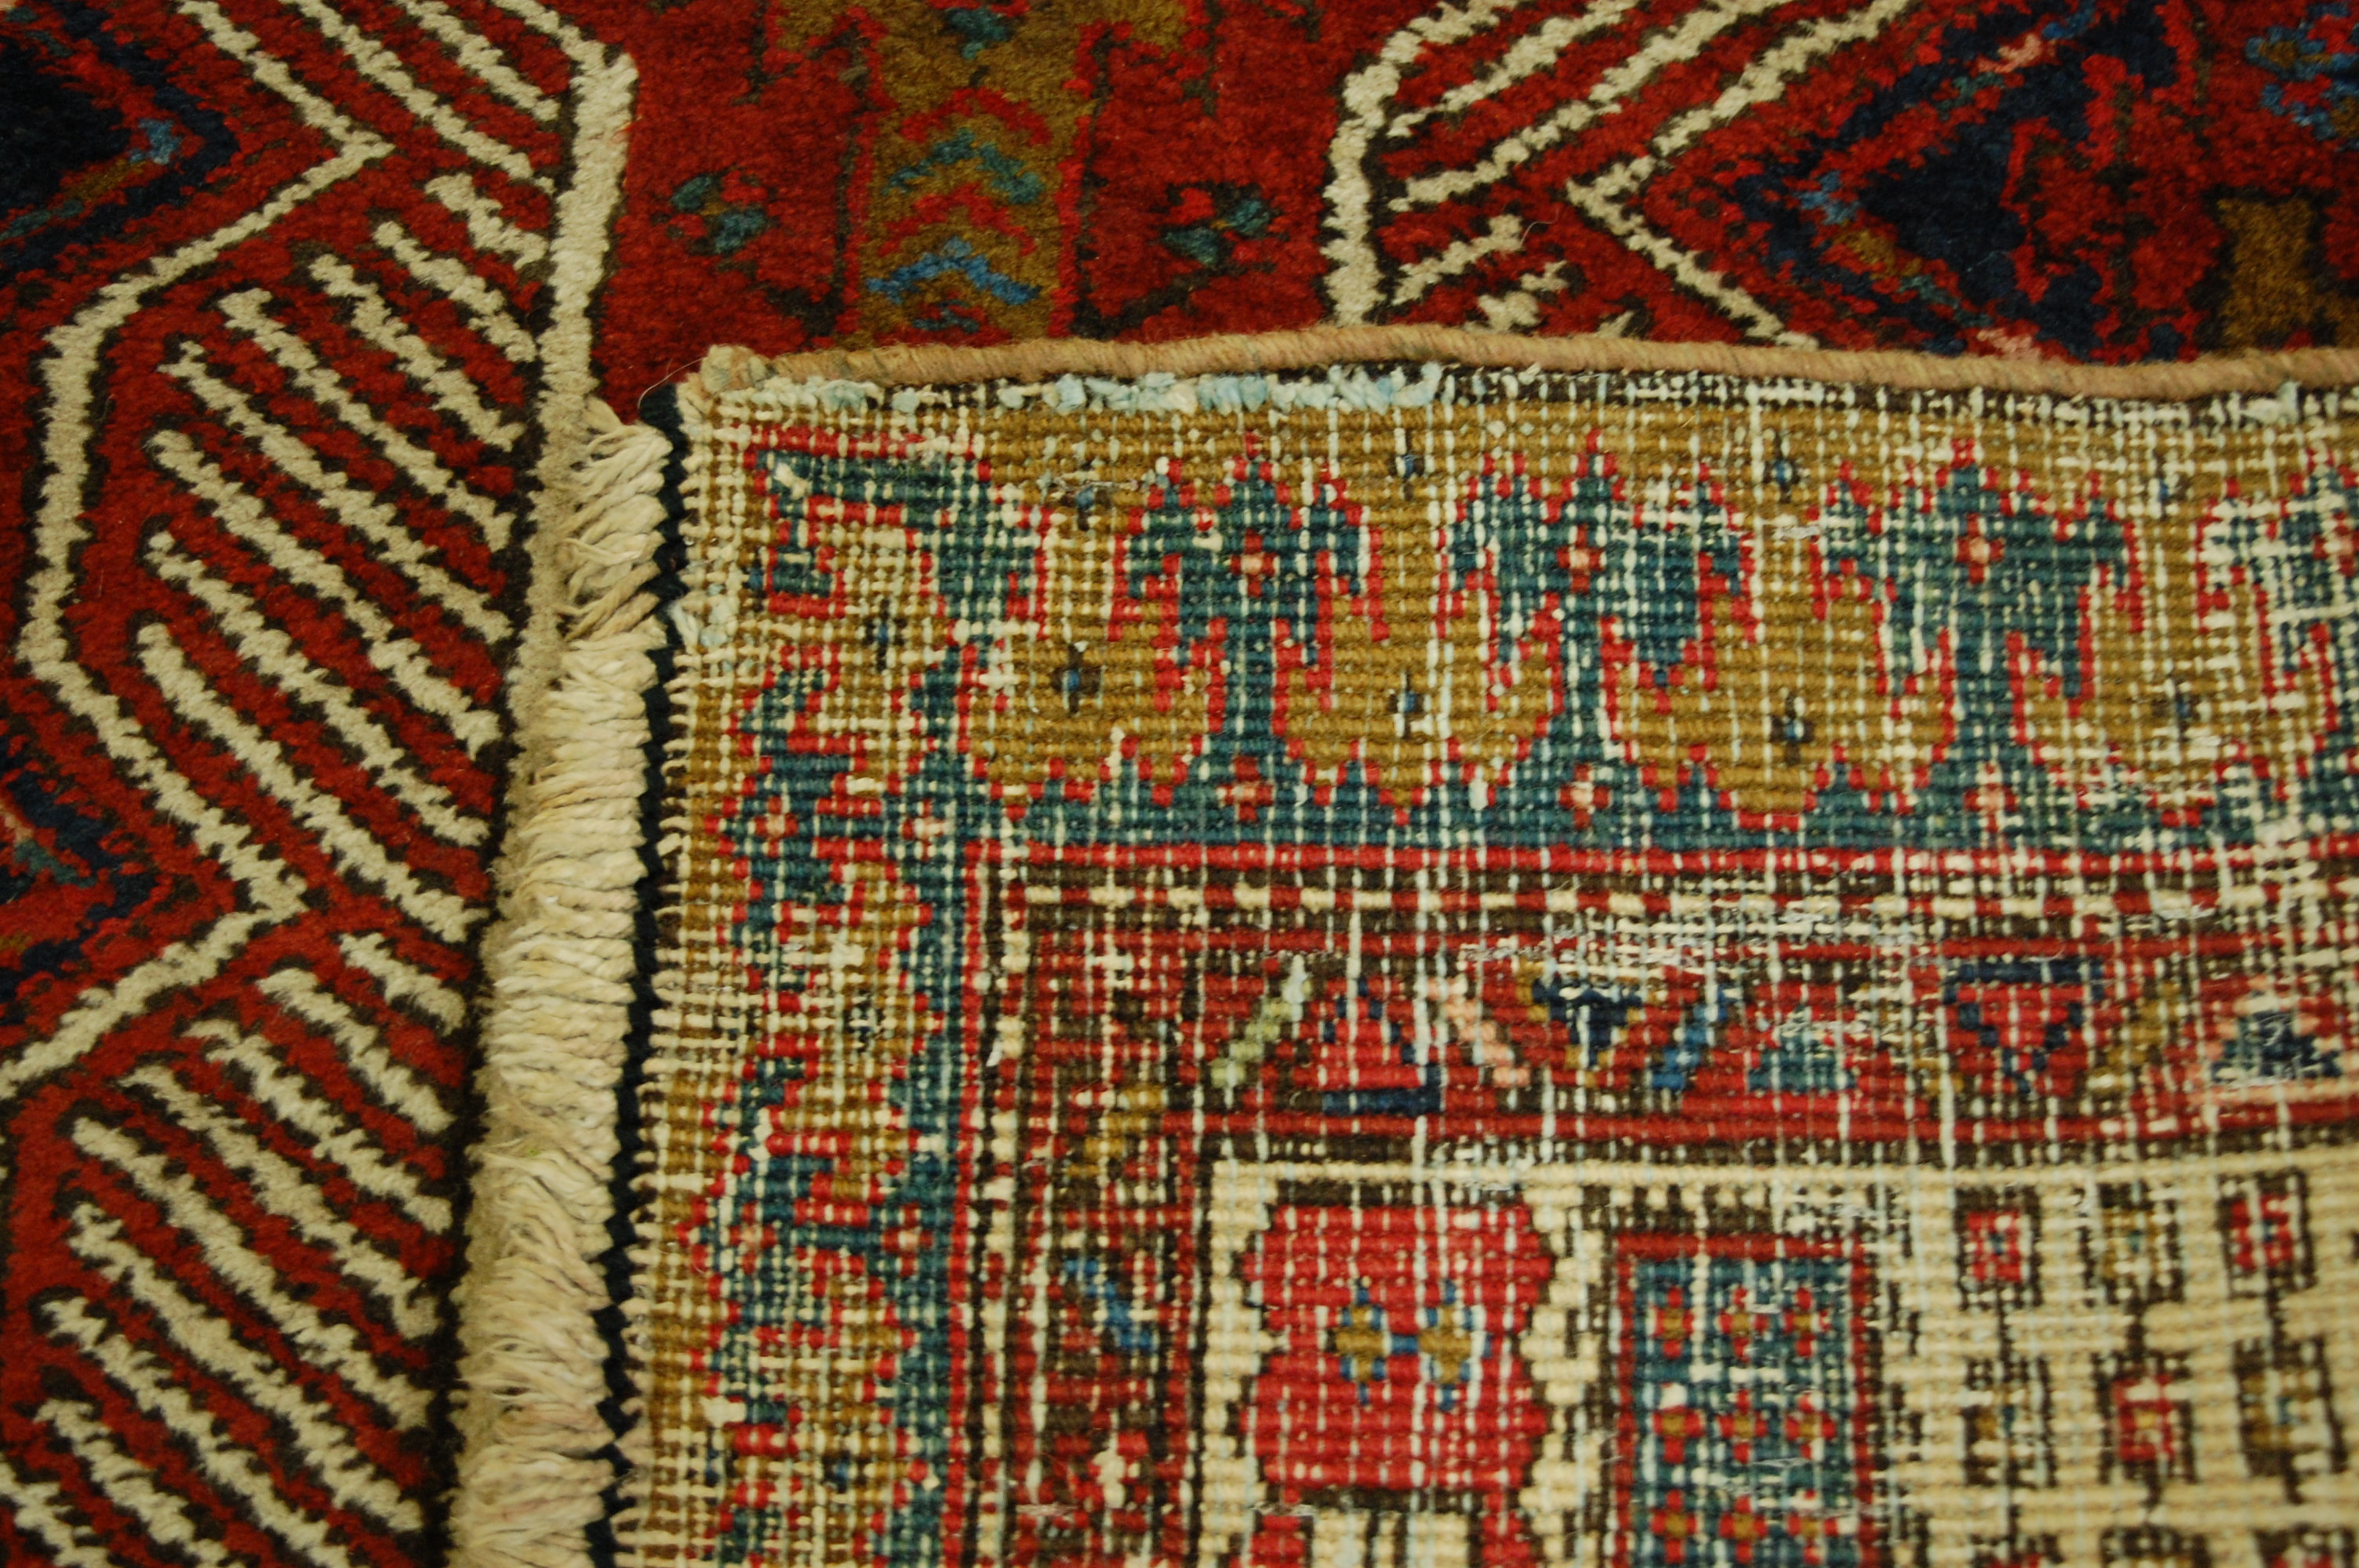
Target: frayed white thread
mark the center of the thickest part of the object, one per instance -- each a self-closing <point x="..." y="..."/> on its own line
<point x="561" y="963"/>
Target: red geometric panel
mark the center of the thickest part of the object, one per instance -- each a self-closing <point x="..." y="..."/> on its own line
<point x="1397" y="1370"/>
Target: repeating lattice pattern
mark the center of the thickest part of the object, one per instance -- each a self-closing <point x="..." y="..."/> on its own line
<point x="1420" y="967"/>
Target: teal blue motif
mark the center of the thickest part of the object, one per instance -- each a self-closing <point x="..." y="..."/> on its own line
<point x="955" y="257"/>
<point x="1747" y="1398"/>
<point x="1646" y="583"/>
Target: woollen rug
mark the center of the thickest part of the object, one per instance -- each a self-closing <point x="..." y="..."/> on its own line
<point x="302" y="305"/>
<point x="1516" y="953"/>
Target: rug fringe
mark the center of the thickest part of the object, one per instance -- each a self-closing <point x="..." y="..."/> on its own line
<point x="533" y="1369"/>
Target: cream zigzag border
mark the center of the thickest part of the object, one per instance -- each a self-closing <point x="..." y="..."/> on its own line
<point x="72" y="414"/>
<point x="562" y="961"/>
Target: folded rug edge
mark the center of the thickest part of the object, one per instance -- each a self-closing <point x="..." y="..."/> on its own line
<point x="536" y="1471"/>
<point x="534" y="1464"/>
<point x="729" y="369"/>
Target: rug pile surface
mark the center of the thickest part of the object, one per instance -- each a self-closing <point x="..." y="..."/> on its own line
<point x="2114" y="180"/>
<point x="295" y="339"/>
<point x="1473" y="964"/>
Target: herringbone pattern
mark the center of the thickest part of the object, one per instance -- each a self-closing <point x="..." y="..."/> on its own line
<point x="282" y="468"/>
